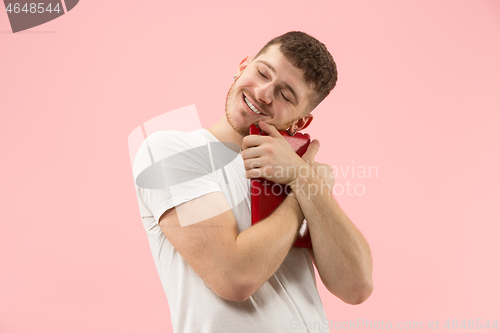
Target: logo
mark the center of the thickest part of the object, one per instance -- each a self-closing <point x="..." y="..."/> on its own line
<point x="28" y="14"/>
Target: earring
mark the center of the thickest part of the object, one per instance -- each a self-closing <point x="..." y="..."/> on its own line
<point x="235" y="77"/>
<point x="291" y="134"/>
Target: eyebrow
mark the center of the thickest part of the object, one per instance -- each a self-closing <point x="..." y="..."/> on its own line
<point x="286" y="84"/>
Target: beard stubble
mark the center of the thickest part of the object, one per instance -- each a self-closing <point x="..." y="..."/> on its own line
<point x="244" y="131"/>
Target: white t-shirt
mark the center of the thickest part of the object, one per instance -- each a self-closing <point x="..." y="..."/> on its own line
<point x="287" y="302"/>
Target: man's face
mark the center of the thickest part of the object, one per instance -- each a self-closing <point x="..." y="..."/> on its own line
<point x="270" y="85"/>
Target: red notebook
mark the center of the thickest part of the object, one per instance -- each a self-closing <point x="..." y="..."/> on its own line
<point x="266" y="195"/>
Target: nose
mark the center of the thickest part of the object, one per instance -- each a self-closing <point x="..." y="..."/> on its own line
<point x="263" y="93"/>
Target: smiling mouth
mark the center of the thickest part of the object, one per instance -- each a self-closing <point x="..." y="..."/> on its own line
<point x="251" y="106"/>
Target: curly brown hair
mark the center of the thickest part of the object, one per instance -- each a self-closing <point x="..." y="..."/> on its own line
<point x="309" y="54"/>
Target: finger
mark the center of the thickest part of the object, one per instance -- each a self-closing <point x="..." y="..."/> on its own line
<point x="311" y="152"/>
<point x="252" y="152"/>
<point x="252" y="141"/>
<point x="252" y="163"/>
<point x="269" y="129"/>
<point x="254" y="173"/>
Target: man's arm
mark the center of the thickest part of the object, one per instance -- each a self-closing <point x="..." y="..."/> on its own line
<point x="340" y="252"/>
<point x="233" y="266"/>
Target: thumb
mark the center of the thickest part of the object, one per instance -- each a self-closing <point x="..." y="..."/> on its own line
<point x="269" y="129"/>
<point x="311" y="152"/>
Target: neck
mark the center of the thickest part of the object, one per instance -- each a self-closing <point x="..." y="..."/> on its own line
<point x="224" y="132"/>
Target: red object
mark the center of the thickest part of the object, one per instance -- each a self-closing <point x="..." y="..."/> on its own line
<point x="266" y="195"/>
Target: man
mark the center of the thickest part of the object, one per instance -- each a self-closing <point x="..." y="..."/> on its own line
<point x="219" y="273"/>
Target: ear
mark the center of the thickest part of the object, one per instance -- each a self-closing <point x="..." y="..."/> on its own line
<point x="304" y="122"/>
<point x="243" y="64"/>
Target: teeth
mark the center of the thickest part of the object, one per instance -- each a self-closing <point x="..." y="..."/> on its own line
<point x="251" y="106"/>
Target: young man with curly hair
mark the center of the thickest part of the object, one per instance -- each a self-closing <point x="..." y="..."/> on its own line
<point x="220" y="273"/>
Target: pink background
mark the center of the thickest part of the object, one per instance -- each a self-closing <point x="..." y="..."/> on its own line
<point x="418" y="97"/>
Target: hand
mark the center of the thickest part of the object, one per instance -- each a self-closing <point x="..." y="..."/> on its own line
<point x="324" y="171"/>
<point x="270" y="157"/>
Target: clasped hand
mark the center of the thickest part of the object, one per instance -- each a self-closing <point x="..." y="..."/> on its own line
<point x="271" y="157"/>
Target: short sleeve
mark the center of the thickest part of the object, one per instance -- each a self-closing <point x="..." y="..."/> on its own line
<point x="171" y="168"/>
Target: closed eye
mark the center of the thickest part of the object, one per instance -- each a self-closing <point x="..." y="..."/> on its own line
<point x="286" y="99"/>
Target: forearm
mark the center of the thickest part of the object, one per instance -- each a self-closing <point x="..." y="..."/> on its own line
<point x="261" y="249"/>
<point x="233" y="265"/>
<point x="341" y="253"/>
